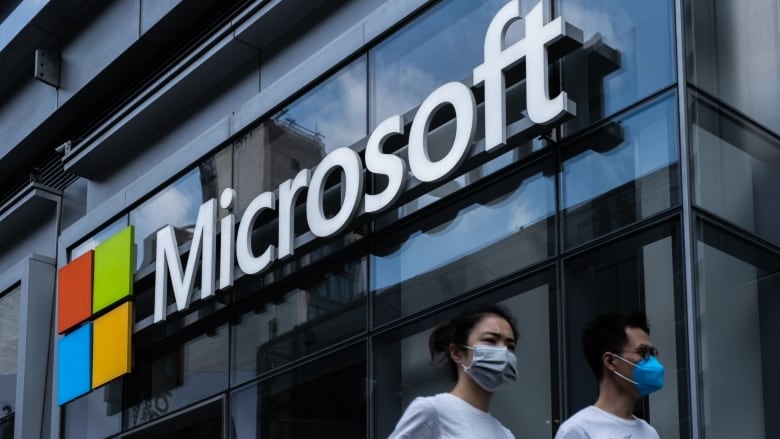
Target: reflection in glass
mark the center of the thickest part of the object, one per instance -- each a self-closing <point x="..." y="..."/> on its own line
<point x="330" y="116"/>
<point x="443" y="45"/>
<point x="9" y="349"/>
<point x="497" y="231"/>
<point x="178" y="205"/>
<point x="162" y="382"/>
<point x="93" y="241"/>
<point x="641" y="272"/>
<point x="641" y="32"/>
<point x="403" y="370"/>
<point x="323" y="399"/>
<point x="97" y="414"/>
<point x="318" y="313"/>
<point x="732" y="54"/>
<point x="623" y="172"/>
<point x="735" y="170"/>
<point x="738" y="323"/>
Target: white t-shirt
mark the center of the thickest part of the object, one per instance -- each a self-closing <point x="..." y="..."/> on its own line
<point x="594" y="423"/>
<point x="446" y="416"/>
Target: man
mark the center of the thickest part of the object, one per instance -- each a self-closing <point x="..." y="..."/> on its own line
<point x="622" y="356"/>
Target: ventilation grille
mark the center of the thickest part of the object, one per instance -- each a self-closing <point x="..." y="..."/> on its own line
<point x="48" y="170"/>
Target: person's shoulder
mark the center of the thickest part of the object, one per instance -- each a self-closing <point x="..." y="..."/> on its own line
<point x="573" y="428"/>
<point x="647" y="429"/>
<point x="418" y="420"/>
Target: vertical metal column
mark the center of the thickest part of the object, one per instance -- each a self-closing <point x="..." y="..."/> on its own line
<point x="687" y="217"/>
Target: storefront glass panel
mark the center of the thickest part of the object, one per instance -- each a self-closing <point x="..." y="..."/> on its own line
<point x="175" y="376"/>
<point x="640" y="272"/>
<point x="403" y="369"/>
<point x="735" y="169"/>
<point x="738" y="324"/>
<point x="323" y="399"/>
<point x="628" y="55"/>
<point x="732" y="54"/>
<point x="320" y="311"/>
<point x="95" y="415"/>
<point x="9" y="352"/>
<point x="466" y="244"/>
<point x="178" y="205"/>
<point x="330" y="116"/>
<point x="444" y="44"/>
<point x="621" y="173"/>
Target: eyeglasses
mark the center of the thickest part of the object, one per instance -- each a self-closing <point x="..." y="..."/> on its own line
<point x="645" y="351"/>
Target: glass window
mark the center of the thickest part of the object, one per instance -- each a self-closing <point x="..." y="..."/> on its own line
<point x="330" y="116"/>
<point x="459" y="247"/>
<point x="641" y="272"/>
<point x="175" y="376"/>
<point x="322" y="399"/>
<point x="9" y="350"/>
<point x="95" y="415"/>
<point x="623" y="172"/>
<point x="178" y="205"/>
<point x="403" y="369"/>
<point x="601" y="81"/>
<point x="738" y="323"/>
<point x="93" y="241"/>
<point x="732" y="54"/>
<point x="321" y="311"/>
<point x="735" y="170"/>
<point x="443" y="45"/>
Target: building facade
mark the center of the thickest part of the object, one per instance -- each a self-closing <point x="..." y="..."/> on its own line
<point x="658" y="192"/>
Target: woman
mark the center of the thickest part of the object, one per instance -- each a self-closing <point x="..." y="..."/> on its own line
<point x="478" y="348"/>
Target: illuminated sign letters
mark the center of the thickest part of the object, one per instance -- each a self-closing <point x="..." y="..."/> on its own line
<point x="236" y="247"/>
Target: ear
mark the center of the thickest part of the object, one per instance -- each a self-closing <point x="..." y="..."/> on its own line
<point x="456" y="353"/>
<point x="608" y="361"/>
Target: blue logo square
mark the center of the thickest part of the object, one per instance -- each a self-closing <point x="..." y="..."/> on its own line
<point x="74" y="364"/>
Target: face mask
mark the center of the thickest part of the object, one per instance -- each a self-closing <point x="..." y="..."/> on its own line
<point x="648" y="375"/>
<point x="491" y="366"/>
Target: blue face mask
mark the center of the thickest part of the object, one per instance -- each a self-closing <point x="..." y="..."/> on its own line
<point x="648" y="374"/>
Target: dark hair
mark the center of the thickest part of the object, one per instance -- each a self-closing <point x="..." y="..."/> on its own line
<point x="458" y="330"/>
<point x="607" y="333"/>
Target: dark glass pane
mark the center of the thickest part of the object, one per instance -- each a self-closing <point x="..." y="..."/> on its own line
<point x="178" y="205"/>
<point x="325" y="399"/>
<point x="95" y="415"/>
<point x="459" y="247"/>
<point x="735" y="170"/>
<point x="738" y="323"/>
<point x="403" y="370"/>
<point x="330" y="116"/>
<point x="601" y="81"/>
<point x="641" y="272"/>
<point x="175" y="376"/>
<point x="623" y="172"/>
<point x="443" y="45"/>
<point x="9" y="351"/>
<point x="202" y="422"/>
<point x="732" y="54"/>
<point x="321" y="311"/>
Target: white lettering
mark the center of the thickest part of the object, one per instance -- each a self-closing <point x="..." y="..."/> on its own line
<point x="461" y="98"/>
<point x="249" y="263"/>
<point x="379" y="163"/>
<point x="168" y="259"/>
<point x="352" y="190"/>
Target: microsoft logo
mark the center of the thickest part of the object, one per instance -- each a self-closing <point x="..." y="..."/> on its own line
<point x="95" y="314"/>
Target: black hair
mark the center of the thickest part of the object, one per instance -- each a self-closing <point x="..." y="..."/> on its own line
<point x="457" y="331"/>
<point x="607" y="333"/>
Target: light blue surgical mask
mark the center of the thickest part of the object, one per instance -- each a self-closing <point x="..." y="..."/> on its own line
<point x="648" y="374"/>
<point x="492" y="366"/>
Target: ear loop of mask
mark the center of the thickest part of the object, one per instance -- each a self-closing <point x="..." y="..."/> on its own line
<point x="620" y="374"/>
